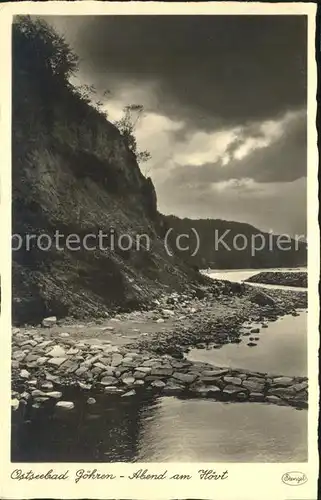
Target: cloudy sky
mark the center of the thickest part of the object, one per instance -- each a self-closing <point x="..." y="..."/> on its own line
<point x="225" y="108"/>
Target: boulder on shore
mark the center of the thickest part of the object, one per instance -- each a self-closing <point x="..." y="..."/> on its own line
<point x="262" y="299"/>
<point x="50" y="321"/>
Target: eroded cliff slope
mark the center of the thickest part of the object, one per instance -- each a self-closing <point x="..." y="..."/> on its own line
<point x="72" y="172"/>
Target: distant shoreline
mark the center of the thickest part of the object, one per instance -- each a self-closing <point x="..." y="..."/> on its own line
<point x="293" y="279"/>
<point x="257" y="269"/>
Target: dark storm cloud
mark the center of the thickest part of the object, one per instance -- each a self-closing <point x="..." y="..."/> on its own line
<point x="284" y="160"/>
<point x="210" y="69"/>
<point x="200" y="78"/>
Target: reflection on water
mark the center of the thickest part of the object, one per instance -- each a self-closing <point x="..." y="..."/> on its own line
<point x="190" y="431"/>
<point x="159" y="429"/>
<point x="281" y="349"/>
<point x="106" y="431"/>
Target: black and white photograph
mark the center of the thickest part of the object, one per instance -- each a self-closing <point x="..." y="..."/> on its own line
<point x="159" y="240"/>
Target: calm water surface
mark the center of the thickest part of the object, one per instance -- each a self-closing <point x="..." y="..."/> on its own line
<point x="160" y="429"/>
<point x="281" y="349"/>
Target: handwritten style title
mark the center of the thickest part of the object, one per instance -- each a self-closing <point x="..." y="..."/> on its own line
<point x="94" y="474"/>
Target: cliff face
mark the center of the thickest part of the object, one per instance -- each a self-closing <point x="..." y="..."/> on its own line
<point x="72" y="172"/>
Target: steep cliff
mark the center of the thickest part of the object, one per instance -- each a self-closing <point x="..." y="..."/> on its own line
<point x="72" y="172"/>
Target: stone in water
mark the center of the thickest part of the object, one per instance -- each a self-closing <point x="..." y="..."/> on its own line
<point x="67" y="405"/>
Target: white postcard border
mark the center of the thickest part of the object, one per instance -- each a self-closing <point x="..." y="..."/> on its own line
<point x="245" y="481"/>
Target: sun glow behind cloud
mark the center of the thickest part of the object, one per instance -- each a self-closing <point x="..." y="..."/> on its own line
<point x="173" y="145"/>
<point x="221" y="146"/>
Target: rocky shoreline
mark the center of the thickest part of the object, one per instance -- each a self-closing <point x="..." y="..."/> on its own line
<point x="296" y="279"/>
<point x="224" y="323"/>
<point x="44" y="360"/>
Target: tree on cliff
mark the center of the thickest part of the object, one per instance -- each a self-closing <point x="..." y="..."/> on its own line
<point x="127" y="124"/>
<point x="42" y="61"/>
<point x="41" y="50"/>
<point x="49" y="61"/>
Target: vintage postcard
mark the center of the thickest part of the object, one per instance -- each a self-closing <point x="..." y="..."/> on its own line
<point x="160" y="251"/>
